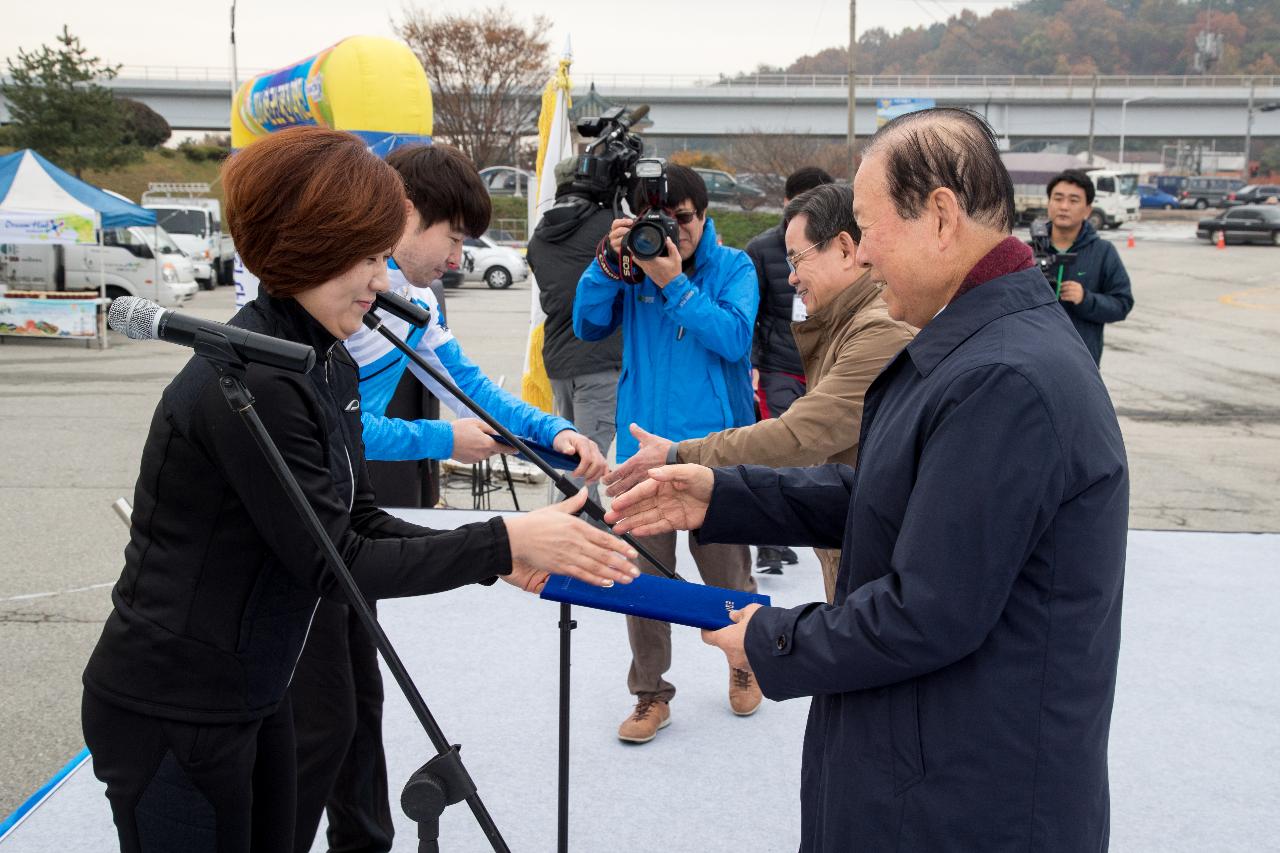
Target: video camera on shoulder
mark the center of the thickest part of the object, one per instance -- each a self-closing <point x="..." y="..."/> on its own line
<point x="606" y="167"/>
<point x="648" y="236"/>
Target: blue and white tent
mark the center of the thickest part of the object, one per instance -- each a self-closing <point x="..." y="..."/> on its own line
<point x="40" y="203"/>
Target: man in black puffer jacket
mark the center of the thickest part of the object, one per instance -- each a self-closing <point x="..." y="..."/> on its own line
<point x="584" y="374"/>
<point x="776" y="368"/>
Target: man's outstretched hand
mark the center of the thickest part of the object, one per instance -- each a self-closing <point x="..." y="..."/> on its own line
<point x="651" y="453"/>
<point x="675" y="497"/>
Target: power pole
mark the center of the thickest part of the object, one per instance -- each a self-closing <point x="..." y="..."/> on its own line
<point x="1093" y="102"/>
<point x="1248" y="133"/>
<point x="853" y="76"/>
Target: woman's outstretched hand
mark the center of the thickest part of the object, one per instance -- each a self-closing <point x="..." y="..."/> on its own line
<point x="553" y="540"/>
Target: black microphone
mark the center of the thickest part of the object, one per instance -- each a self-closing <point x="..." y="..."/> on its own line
<point x="144" y="320"/>
<point x="637" y="114"/>
<point x="407" y="310"/>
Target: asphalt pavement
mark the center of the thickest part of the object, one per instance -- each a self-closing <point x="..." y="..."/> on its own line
<point x="1194" y="373"/>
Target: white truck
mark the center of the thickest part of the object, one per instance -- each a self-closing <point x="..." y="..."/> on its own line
<point x="138" y="261"/>
<point x="194" y="219"/>
<point x="1115" y="202"/>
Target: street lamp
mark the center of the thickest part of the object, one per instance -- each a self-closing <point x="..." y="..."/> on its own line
<point x="235" y="77"/>
<point x="1124" y="106"/>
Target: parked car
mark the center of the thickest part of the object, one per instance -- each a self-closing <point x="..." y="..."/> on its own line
<point x="1153" y="197"/>
<point x="506" y="180"/>
<point x="1252" y="223"/>
<point x="1252" y="194"/>
<point x="497" y="266"/>
<point x="452" y="278"/>
<point x="725" y="189"/>
<point x="1171" y="184"/>
<point x="1201" y="192"/>
<point x="503" y="237"/>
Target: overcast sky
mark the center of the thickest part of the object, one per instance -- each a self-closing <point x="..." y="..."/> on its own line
<point x="704" y="37"/>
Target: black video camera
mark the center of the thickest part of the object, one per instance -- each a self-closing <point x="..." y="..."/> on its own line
<point x="1056" y="266"/>
<point x="648" y="236"/>
<point x="607" y="166"/>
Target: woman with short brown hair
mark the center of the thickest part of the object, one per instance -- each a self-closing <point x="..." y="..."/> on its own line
<point x="185" y="707"/>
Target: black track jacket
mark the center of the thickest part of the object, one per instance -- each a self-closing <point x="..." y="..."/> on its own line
<point x="221" y="578"/>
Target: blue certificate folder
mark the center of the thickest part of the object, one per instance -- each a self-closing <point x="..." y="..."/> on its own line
<point x="659" y="598"/>
<point x="552" y="457"/>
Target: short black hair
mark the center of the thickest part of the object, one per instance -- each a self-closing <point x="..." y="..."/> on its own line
<point x="1073" y="176"/>
<point x="444" y="186"/>
<point x="828" y="210"/>
<point x="685" y="184"/>
<point x="804" y="179"/>
<point x="945" y="147"/>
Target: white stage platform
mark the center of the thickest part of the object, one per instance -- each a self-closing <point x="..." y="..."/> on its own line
<point x="1195" y="742"/>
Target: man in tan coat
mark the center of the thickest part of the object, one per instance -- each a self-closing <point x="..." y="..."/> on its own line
<point x="847" y="338"/>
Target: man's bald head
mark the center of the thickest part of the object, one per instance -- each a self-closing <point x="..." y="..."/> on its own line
<point x="946" y="148"/>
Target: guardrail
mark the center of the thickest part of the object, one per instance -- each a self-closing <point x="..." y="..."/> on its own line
<point x="874" y="81"/>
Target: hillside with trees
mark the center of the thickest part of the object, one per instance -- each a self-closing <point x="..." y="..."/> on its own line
<point x="1070" y="37"/>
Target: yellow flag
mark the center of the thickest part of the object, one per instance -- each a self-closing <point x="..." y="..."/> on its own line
<point x="555" y="142"/>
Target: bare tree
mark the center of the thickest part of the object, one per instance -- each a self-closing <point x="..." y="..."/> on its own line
<point x="770" y="157"/>
<point x="486" y="72"/>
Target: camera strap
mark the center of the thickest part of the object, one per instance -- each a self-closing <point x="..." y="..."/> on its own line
<point x="622" y="268"/>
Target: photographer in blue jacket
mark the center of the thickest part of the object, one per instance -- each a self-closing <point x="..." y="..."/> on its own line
<point x="687" y="317"/>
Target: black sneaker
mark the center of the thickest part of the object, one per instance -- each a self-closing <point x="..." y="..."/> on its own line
<point x="788" y="556"/>
<point x="768" y="560"/>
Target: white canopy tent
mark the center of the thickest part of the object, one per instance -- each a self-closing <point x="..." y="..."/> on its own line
<point x="40" y="203"/>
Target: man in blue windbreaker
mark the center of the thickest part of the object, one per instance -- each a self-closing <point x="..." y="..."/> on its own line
<point x="686" y="372"/>
<point x="337" y="689"/>
<point x="962" y="680"/>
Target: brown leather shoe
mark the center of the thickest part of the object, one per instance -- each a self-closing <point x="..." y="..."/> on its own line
<point x="744" y="692"/>
<point x="642" y="726"/>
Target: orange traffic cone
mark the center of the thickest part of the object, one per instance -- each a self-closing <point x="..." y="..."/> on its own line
<point x="1221" y="242"/>
<point x="1131" y="243"/>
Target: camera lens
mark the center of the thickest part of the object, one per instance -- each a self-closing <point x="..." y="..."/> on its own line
<point x="646" y="240"/>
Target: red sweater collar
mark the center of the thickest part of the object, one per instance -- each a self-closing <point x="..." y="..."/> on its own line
<point x="1010" y="255"/>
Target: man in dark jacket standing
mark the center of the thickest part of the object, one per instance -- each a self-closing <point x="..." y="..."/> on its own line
<point x="1095" y="286"/>
<point x="777" y="370"/>
<point x="583" y="374"/>
<point x="963" y="679"/>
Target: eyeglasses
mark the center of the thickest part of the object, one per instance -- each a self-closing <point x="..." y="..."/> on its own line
<point x="794" y="260"/>
<point x="684" y="217"/>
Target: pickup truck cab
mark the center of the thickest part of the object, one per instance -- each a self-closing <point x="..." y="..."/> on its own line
<point x="195" y="222"/>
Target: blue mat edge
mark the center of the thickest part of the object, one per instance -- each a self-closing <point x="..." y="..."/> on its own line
<point x="32" y="802"/>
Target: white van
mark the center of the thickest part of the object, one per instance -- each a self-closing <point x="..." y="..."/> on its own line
<point x="139" y="261"/>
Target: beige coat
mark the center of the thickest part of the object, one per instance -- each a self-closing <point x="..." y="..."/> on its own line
<point x="843" y="347"/>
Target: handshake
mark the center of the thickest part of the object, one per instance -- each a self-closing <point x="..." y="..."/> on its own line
<point x="657" y="499"/>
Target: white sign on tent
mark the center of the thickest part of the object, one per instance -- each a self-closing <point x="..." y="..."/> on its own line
<point x="20" y="226"/>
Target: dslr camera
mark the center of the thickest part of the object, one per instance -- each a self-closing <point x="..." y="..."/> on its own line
<point x="648" y="236"/>
<point x="614" y="167"/>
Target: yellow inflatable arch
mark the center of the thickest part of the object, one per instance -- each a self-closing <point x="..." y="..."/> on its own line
<point x="371" y="86"/>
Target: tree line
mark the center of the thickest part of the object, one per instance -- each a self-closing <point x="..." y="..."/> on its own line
<point x="1070" y="37"/>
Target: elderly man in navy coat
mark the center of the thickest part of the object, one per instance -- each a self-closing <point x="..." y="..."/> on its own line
<point x="963" y="678"/>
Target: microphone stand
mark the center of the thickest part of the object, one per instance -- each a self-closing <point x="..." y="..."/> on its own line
<point x="567" y="488"/>
<point x="443" y="780"/>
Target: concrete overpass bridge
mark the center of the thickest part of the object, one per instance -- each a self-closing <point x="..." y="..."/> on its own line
<point x="691" y="111"/>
